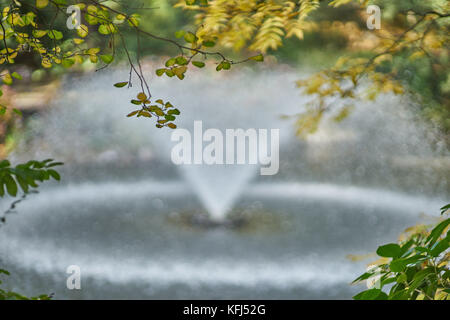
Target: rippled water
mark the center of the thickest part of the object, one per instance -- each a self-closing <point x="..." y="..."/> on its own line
<point x="122" y="212"/>
<point x="130" y="243"/>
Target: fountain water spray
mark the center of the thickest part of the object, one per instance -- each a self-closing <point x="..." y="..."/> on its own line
<point x="220" y="170"/>
<point x="220" y="103"/>
<point x="337" y="192"/>
<point x="90" y="126"/>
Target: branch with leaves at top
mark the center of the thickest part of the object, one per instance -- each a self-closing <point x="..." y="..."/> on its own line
<point x="26" y="30"/>
<point x="415" y="35"/>
<point x="423" y="38"/>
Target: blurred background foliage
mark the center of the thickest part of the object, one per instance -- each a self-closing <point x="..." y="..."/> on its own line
<point x="329" y="32"/>
<point x="408" y="53"/>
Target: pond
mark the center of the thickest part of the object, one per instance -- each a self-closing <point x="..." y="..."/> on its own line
<point x="138" y="226"/>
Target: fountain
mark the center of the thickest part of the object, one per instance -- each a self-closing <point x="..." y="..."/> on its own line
<point x="217" y="186"/>
<point x="117" y="212"/>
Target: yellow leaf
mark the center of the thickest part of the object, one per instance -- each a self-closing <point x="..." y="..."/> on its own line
<point x="46" y="63"/>
<point x="416" y="55"/>
<point x="82" y="31"/>
<point x="132" y="113"/>
<point x="142" y="96"/>
<point x="41" y="3"/>
<point x="7" y="79"/>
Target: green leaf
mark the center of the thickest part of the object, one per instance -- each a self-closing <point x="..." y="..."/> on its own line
<point x="16" y="75"/>
<point x="40" y="4"/>
<point x="120" y="84"/>
<point x="179" y="33"/>
<point x="382" y="296"/>
<point x="402" y="278"/>
<point x="23" y="184"/>
<point x="362" y="277"/>
<point x="4" y="164"/>
<point x="437" y="231"/>
<point x="132" y="113"/>
<point x="258" y="58"/>
<point x="445" y="208"/>
<point x="106" y="58"/>
<point x="157" y="110"/>
<point x="82" y="31"/>
<point x="170" y="62"/>
<point x="169" y="73"/>
<point x="419" y="277"/>
<point x="422" y="249"/>
<point x="90" y="18"/>
<point x="398" y="265"/>
<point x="4" y="272"/>
<point x="400" y="295"/>
<point x="54" y="164"/>
<point x="370" y="294"/>
<point x="405" y="248"/>
<point x="39" y="33"/>
<point x="160" y="72"/>
<point x="142" y="96"/>
<point x="55" y="175"/>
<point x="55" y="34"/>
<point x="104" y="29"/>
<point x="174" y="111"/>
<point x="391" y="250"/>
<point x="67" y="63"/>
<point x="181" y="60"/>
<point x="198" y="64"/>
<point x="11" y="186"/>
<point x="209" y="43"/>
<point x="134" y="20"/>
<point x="7" y="79"/>
<point x="441" y="246"/>
<point x="386" y="281"/>
<point x="190" y="37"/>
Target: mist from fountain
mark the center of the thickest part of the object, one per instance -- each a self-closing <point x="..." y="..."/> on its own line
<point x="88" y="125"/>
<point x="345" y="189"/>
<point x="220" y="103"/>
